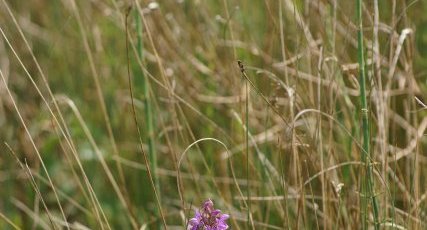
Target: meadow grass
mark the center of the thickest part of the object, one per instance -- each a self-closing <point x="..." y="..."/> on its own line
<point x="290" y="114"/>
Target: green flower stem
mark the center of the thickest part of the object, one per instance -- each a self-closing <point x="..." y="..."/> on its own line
<point x="368" y="186"/>
<point x="149" y="122"/>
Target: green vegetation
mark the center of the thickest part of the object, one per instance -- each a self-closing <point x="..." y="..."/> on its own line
<point x="287" y="114"/>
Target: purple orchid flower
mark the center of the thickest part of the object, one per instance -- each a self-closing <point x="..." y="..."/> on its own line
<point x="208" y="218"/>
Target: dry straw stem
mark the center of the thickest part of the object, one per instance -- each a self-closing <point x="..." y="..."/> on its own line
<point x="248" y="189"/>
<point x="126" y="204"/>
<point x="100" y="96"/>
<point x="33" y="183"/>
<point x="10" y="222"/>
<point x="34" y="145"/>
